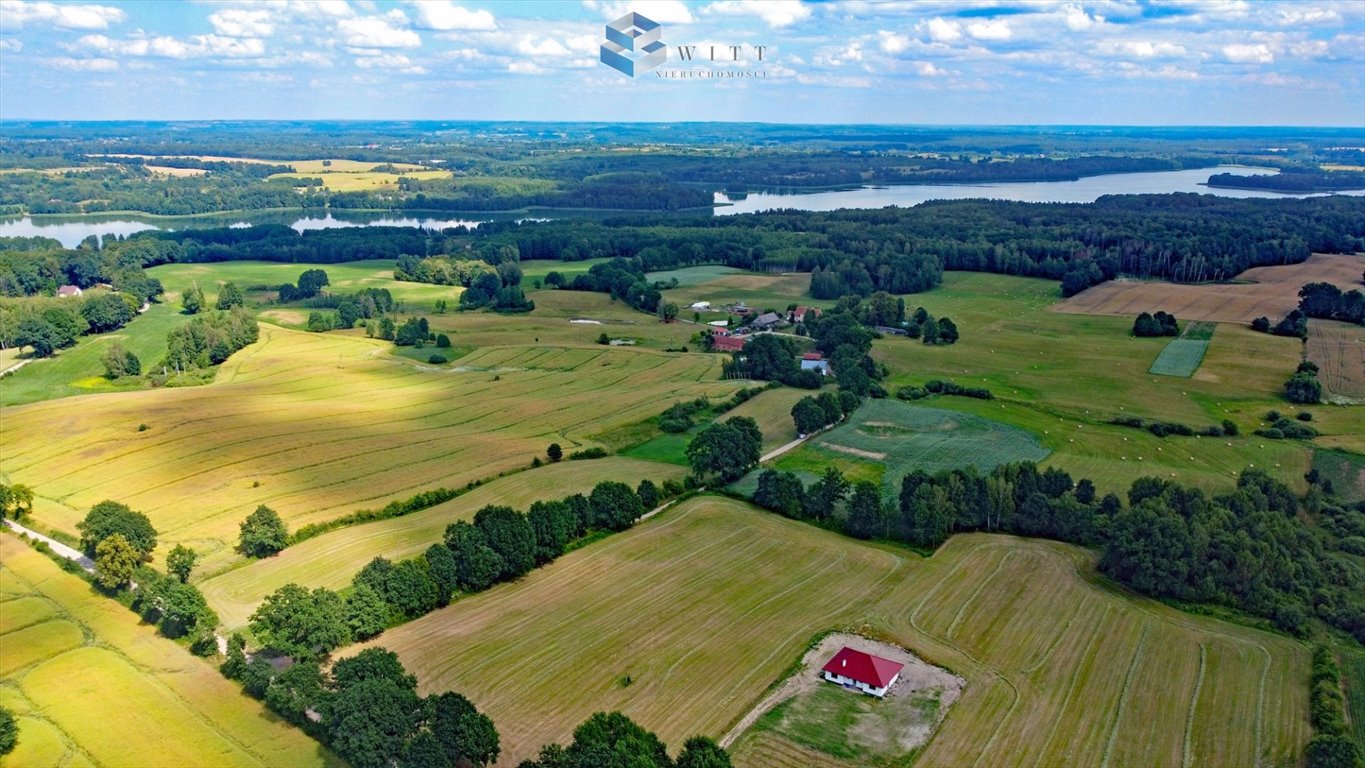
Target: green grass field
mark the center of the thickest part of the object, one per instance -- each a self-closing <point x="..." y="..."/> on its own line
<point x="332" y="559"/>
<point x="347" y="277"/>
<point x="90" y="685"/>
<point x="318" y="425"/>
<point x="771" y="410"/>
<point x="898" y="438"/>
<point x="1182" y="356"/>
<point x="688" y="277"/>
<point x="78" y="370"/>
<point x="720" y="598"/>
<point x="1346" y="472"/>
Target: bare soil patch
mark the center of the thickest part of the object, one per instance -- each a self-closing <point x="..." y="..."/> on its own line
<point x="874" y="455"/>
<point x="1261" y="291"/>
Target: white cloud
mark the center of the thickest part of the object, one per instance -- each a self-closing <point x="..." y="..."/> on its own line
<point x="891" y="42"/>
<point x="321" y="10"/>
<point x="545" y="47"/>
<point x="63" y="16"/>
<point x="1140" y="49"/>
<point x="1248" y="54"/>
<point x="390" y="61"/>
<point x="162" y="46"/>
<point x="927" y="69"/>
<point x="524" y="68"/>
<point x="1299" y="16"/>
<point x="238" y="22"/>
<point x="377" y="32"/>
<point x="81" y="65"/>
<point x="1078" y="20"/>
<point x="776" y="13"/>
<point x="662" y="11"/>
<point x="445" y="16"/>
<point x="11" y="45"/>
<point x="942" y="31"/>
<point x="464" y="54"/>
<point x="990" y="30"/>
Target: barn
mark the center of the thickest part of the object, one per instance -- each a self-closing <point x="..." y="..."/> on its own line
<point x="863" y="672"/>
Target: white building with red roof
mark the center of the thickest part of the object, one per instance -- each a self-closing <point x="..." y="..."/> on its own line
<point x="863" y="671"/>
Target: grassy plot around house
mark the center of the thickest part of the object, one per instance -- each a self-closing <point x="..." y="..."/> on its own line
<point x="721" y="598"/>
<point x="900" y="438"/>
<point x="847" y="724"/>
<point x="91" y="685"/>
<point x="1181" y="357"/>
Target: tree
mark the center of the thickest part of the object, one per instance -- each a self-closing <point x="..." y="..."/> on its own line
<point x="728" y="450"/>
<point x="107" y="312"/>
<point x="615" y="507"/>
<point x="1261" y="324"/>
<point x="824" y="494"/>
<point x="411" y="589"/>
<point x="701" y="752"/>
<point x="180" y="561"/>
<point x="110" y="517"/>
<point x="668" y="311"/>
<point x="18" y="498"/>
<point x="781" y="492"/>
<point x="554" y="452"/>
<point x="1332" y="750"/>
<point x="866" y="516"/>
<point x="294" y="691"/>
<point x="119" y="362"/>
<point x="300" y="623"/>
<point x="444" y="572"/>
<point x="648" y="493"/>
<point x="509" y="534"/>
<point x="929" y="331"/>
<point x="366" y="612"/>
<point x="477" y="565"/>
<point x="263" y="533"/>
<point x="615" y="741"/>
<point x="463" y="732"/>
<point x="181" y="607"/>
<point x="9" y="731"/>
<point x="554" y="524"/>
<point x="38" y="334"/>
<point x="947" y="331"/>
<point x="192" y="300"/>
<point x="318" y="322"/>
<point x="311" y="282"/>
<point x="115" y="561"/>
<point x="808" y="415"/>
<point x="230" y="296"/>
<point x="1303" y="388"/>
<point x="369" y="722"/>
<point x="372" y="664"/>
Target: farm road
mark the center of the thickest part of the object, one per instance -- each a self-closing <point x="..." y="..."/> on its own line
<point x="774" y="453"/>
<point x="57" y="546"/>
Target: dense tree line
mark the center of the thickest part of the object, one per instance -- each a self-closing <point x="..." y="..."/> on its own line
<point x="131" y="187"/>
<point x="1250" y="549"/>
<point x="1328" y="302"/>
<point x="1294" y="324"/>
<point x="1299" y="180"/>
<point x="1303" y="387"/>
<point x="612" y="740"/>
<point x="1331" y="745"/>
<point x="681" y="416"/>
<point x="209" y="339"/>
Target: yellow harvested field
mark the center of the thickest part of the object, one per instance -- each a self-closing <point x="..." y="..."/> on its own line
<point x="1261" y="291"/>
<point x="165" y="170"/>
<point x="333" y="559"/>
<point x="706" y="605"/>
<point x="316" y="426"/>
<point x="101" y="688"/>
<point x="358" y="181"/>
<point x="1338" y="349"/>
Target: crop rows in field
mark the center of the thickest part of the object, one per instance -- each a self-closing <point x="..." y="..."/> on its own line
<point x="91" y="686"/>
<point x="1180" y="357"/>
<point x="903" y="438"/>
<point x="706" y="605"/>
<point x="319" y="425"/>
<point x="1338" y="349"/>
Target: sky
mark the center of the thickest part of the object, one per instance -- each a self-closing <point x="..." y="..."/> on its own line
<point x="1070" y="62"/>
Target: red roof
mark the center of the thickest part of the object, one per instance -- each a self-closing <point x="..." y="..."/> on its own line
<point x="864" y="667"/>
<point x="727" y="343"/>
<point x="812" y="356"/>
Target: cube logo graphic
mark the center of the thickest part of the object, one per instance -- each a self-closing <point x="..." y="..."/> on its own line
<point x="632" y="46"/>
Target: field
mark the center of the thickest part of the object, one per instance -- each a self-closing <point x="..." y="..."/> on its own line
<point x="317" y="425"/>
<point x="78" y="370"/>
<point x="722" y="598"/>
<point x="1338" y="349"/>
<point x="721" y="287"/>
<point x="1261" y="291"/>
<point x="897" y="438"/>
<point x="1346" y="471"/>
<point x="345" y="278"/>
<point x="91" y="686"/>
<point x="771" y="410"/>
<point x="362" y="181"/>
<point x="688" y="277"/>
<point x="1180" y="357"/>
<point x="332" y="559"/>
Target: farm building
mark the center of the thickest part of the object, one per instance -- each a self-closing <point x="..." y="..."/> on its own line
<point x="719" y="323"/>
<point x="727" y="343"/>
<point x="892" y="330"/>
<point x="814" y="361"/>
<point x="766" y="320"/>
<point x="68" y="290"/>
<point x="862" y="671"/>
<point x="700" y="305"/>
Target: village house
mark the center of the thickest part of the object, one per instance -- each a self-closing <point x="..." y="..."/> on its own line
<point x="863" y="672"/>
<point x="802" y="314"/>
<point x="721" y="343"/>
<point x="814" y="361"/>
<point x="765" y="321"/>
<point x="68" y="290"/>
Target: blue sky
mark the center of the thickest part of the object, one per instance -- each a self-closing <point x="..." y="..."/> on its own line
<point x="1128" y="62"/>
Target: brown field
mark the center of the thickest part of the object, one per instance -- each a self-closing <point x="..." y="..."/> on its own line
<point x="1262" y="291"/>
<point x="709" y="603"/>
<point x="1338" y="349"/>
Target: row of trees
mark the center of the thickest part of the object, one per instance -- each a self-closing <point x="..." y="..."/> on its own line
<point x="209" y="339"/>
<point x="814" y="413"/>
<point x="1328" y="302"/>
<point x="1294" y="324"/>
<point x="46" y="325"/>
<point x="1250" y="549"/>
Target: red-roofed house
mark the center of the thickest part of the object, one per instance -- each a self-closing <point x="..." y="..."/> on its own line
<point x="802" y="314"/>
<point x="863" y="671"/>
<point x="721" y="343"/>
<point x="67" y="291"/>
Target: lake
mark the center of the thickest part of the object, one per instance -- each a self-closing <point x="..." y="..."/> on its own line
<point x="71" y="230"/>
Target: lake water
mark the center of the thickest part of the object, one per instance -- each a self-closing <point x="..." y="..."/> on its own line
<point x="1086" y="190"/>
<point x="71" y="230"/>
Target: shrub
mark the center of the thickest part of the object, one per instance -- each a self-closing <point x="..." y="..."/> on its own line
<point x="588" y="453"/>
<point x="1303" y="416"/>
<point x="437" y="360"/>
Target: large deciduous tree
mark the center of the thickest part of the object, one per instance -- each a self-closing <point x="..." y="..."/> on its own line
<point x="109" y="517"/>
<point x="263" y="533"/>
<point x="115" y="561"/>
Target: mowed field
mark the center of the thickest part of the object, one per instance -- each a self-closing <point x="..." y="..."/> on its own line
<point x="332" y="559"/>
<point x="344" y="278"/>
<point x="704" y="607"/>
<point x="1261" y="291"/>
<point x="91" y="686"/>
<point x="1338" y="349"/>
<point x="317" y="425"/>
